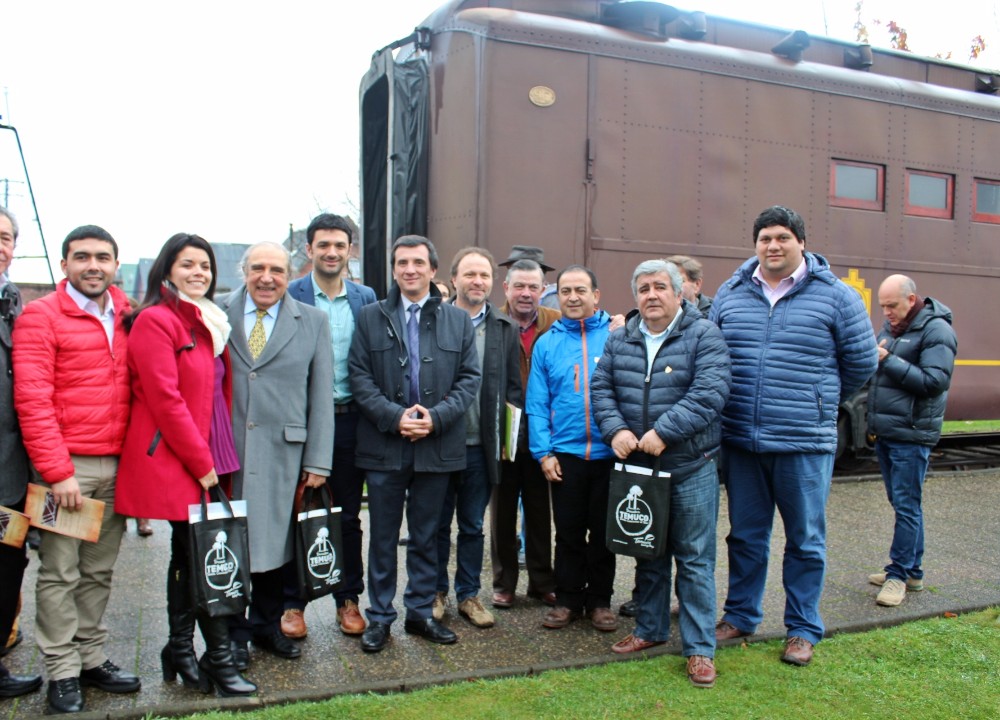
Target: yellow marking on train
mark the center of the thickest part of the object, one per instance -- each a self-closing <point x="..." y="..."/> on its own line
<point x="979" y="363"/>
<point x="857" y="282"/>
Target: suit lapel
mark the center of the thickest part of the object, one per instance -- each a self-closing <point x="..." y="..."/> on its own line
<point x="233" y="306"/>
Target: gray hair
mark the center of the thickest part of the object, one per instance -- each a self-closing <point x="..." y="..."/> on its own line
<point x="13" y="220"/>
<point x="244" y="261"/>
<point x="525" y="265"/>
<point x="651" y="267"/>
<point x="907" y="286"/>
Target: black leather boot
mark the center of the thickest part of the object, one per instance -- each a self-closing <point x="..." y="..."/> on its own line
<point x="217" y="665"/>
<point x="178" y="656"/>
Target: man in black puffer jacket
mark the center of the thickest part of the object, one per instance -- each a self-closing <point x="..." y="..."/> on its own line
<point x="659" y="391"/>
<point x="906" y="401"/>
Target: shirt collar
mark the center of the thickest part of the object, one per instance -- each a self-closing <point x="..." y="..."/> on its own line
<point x="317" y="292"/>
<point x="421" y="302"/>
<point x="797" y="276"/>
<point x="655" y="336"/>
<point x="89" y="305"/>
<point x="250" y="307"/>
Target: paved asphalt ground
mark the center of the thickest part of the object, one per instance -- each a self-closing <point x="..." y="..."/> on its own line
<point x="962" y="565"/>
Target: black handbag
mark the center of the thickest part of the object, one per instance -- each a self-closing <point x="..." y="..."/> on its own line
<point x="220" y="557"/>
<point x="638" y="510"/>
<point x="318" y="543"/>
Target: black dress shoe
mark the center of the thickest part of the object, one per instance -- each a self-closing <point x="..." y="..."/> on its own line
<point x="276" y="643"/>
<point x="241" y="655"/>
<point x="65" y="696"/>
<point x="110" y="678"/>
<point x="430" y="629"/>
<point x="375" y="636"/>
<point x="629" y="609"/>
<point x="15" y="685"/>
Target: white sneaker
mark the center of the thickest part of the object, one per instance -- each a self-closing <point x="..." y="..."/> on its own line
<point x="438" y="608"/>
<point x="892" y="593"/>
<point x="912" y="584"/>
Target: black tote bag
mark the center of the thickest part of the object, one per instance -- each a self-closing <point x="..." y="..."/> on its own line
<point x="318" y="543"/>
<point x="220" y="557"/>
<point x="638" y="510"/>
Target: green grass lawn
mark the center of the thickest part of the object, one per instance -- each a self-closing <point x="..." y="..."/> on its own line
<point x="970" y="426"/>
<point x="939" y="668"/>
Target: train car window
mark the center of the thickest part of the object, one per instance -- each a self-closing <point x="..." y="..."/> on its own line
<point x="857" y="185"/>
<point x="986" y="206"/>
<point x="930" y="194"/>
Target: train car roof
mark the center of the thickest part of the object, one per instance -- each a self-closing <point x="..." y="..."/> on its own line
<point x="655" y="32"/>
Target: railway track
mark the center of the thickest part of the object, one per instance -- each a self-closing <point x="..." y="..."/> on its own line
<point x="954" y="453"/>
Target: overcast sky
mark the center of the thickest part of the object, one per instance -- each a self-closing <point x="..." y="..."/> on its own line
<point x="233" y="120"/>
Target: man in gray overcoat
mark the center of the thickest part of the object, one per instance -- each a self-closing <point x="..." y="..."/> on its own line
<point x="14" y="471"/>
<point x="282" y="425"/>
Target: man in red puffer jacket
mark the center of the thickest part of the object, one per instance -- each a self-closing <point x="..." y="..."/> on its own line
<point x="72" y="398"/>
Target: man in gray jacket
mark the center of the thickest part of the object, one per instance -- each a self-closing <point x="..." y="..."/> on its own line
<point x="414" y="373"/>
<point x="469" y="491"/>
<point x="282" y="426"/>
<point x="906" y="401"/>
<point x="14" y="471"/>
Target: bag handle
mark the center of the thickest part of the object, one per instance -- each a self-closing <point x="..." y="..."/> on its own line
<point x="205" y="498"/>
<point x="303" y="501"/>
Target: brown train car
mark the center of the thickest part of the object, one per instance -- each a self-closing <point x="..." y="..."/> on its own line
<point x="611" y="132"/>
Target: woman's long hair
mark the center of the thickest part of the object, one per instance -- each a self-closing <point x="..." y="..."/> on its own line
<point x="157" y="280"/>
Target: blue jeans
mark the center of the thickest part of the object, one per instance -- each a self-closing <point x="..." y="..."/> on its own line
<point x="468" y="495"/>
<point x="798" y="484"/>
<point x="694" y="511"/>
<point x="904" y="466"/>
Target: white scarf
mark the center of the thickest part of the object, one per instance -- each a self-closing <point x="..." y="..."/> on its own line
<point x="214" y="319"/>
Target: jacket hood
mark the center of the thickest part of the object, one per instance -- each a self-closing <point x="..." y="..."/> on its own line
<point x="932" y="309"/>
<point x="595" y="321"/>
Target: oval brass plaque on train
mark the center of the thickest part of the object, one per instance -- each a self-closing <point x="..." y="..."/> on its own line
<point x="542" y="96"/>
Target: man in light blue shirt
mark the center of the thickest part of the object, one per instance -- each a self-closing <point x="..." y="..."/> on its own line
<point x="329" y="239"/>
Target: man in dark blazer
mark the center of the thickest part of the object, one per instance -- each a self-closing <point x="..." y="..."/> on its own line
<point x="414" y="373"/>
<point x="282" y="427"/>
<point x="328" y="244"/>
<point x="14" y="471"/>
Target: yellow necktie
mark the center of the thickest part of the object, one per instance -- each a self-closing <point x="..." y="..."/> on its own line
<point x="257" y="339"/>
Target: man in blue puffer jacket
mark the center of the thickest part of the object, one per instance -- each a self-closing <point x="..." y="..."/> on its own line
<point x="799" y="339"/>
<point x="565" y="439"/>
<point x="658" y="393"/>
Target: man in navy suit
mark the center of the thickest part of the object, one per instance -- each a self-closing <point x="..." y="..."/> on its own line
<point x="329" y="239"/>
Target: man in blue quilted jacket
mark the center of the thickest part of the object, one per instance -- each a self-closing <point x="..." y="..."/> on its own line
<point x="799" y="339"/>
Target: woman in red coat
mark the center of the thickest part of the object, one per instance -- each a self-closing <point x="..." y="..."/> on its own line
<point x="179" y="440"/>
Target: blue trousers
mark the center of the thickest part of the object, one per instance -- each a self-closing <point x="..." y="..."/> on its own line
<point x="422" y="495"/>
<point x="468" y="495"/>
<point x="694" y="512"/>
<point x="798" y="485"/>
<point x="904" y="466"/>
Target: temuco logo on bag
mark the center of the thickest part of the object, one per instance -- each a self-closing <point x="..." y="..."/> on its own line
<point x="322" y="558"/>
<point x="221" y="566"/>
<point x="634" y="515"/>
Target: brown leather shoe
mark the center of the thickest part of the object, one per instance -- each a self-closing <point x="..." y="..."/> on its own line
<point x="143" y="527"/>
<point x="503" y="599"/>
<point x="293" y="624"/>
<point x="559" y="617"/>
<point x="349" y="617"/>
<point x="798" y="651"/>
<point x="701" y="671"/>
<point x="728" y="631"/>
<point x="603" y="619"/>
<point x="548" y="598"/>
<point x="632" y="643"/>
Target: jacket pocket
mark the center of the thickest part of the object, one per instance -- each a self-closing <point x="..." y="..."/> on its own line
<point x="153" y="445"/>
<point x="295" y="433"/>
